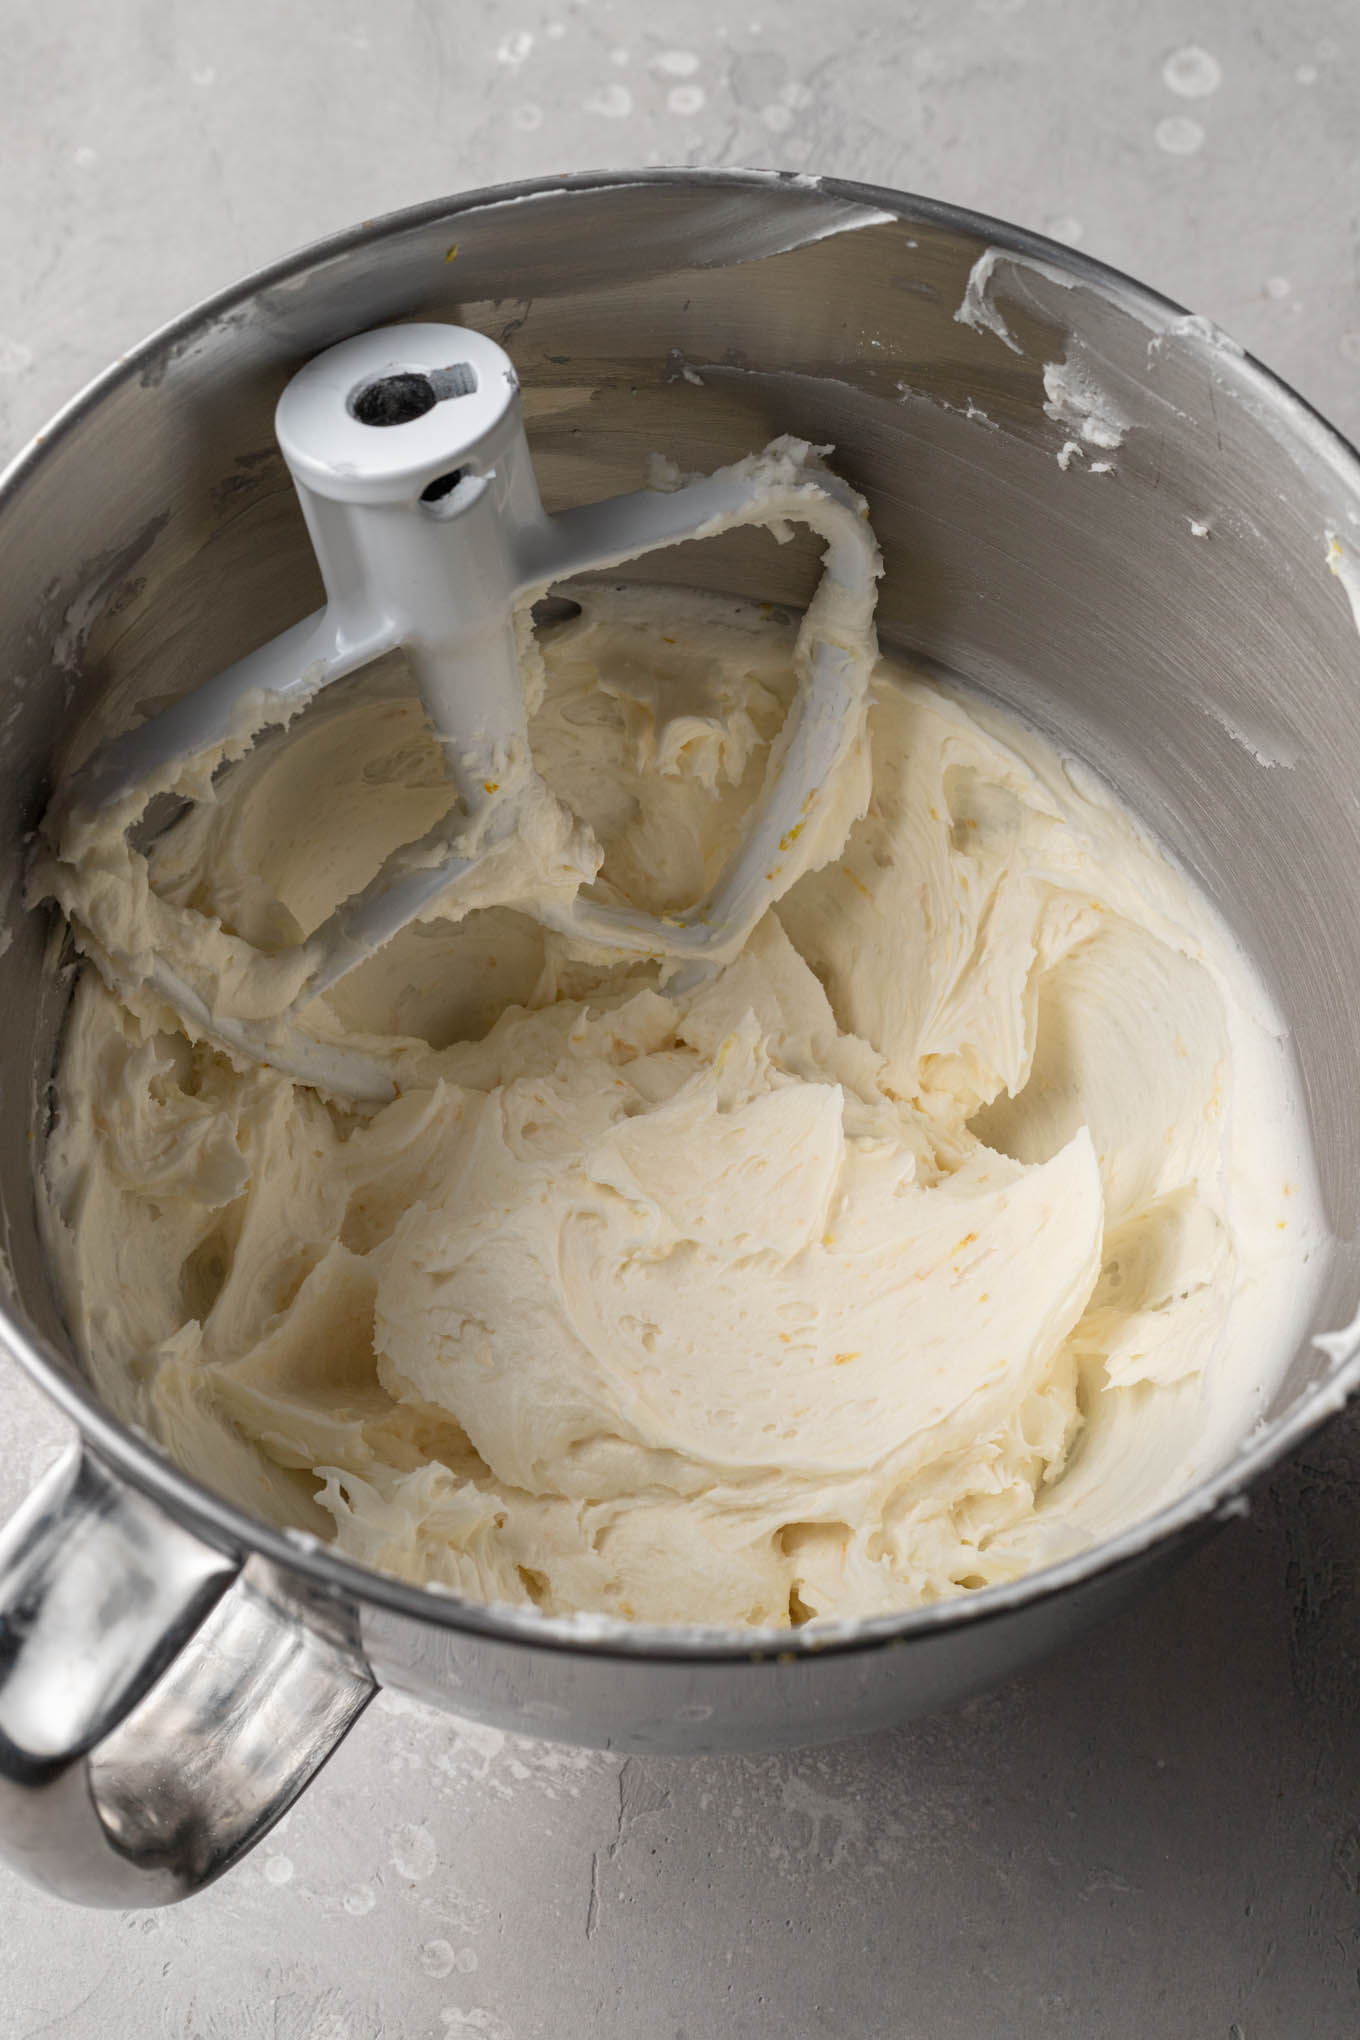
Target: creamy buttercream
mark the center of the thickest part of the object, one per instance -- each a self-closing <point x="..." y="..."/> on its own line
<point x="960" y="1219"/>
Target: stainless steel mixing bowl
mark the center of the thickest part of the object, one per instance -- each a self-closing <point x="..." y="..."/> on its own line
<point x="171" y="1671"/>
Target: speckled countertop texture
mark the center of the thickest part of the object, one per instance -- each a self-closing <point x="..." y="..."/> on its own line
<point x="1156" y="1834"/>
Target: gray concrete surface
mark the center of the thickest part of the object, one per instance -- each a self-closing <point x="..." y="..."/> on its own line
<point x="1157" y="1834"/>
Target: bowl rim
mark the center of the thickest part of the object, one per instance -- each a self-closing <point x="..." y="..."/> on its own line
<point x="1218" y="1498"/>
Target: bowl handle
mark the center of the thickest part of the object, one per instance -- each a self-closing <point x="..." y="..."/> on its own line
<point x="161" y="1704"/>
